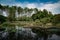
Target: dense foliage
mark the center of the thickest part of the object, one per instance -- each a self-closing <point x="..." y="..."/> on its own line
<point x="28" y="15"/>
<point x="56" y="18"/>
<point x="2" y="19"/>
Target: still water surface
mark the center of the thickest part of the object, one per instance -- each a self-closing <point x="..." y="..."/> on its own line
<point x="20" y="33"/>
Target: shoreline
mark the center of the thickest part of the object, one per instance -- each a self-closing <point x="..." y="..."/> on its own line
<point x="28" y="24"/>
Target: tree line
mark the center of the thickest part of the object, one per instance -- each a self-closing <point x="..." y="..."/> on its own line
<point x="43" y="16"/>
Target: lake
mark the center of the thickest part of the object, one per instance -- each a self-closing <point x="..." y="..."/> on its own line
<point x="20" y="33"/>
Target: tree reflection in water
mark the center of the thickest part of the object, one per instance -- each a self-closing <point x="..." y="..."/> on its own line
<point x="29" y="34"/>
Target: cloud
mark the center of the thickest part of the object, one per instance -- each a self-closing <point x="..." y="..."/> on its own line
<point x="53" y="7"/>
<point x="31" y="6"/>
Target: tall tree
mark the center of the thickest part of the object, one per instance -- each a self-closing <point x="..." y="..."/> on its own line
<point x="12" y="11"/>
<point x="45" y="12"/>
<point x="35" y="10"/>
<point x="30" y="12"/>
<point x="20" y="10"/>
<point x="26" y="10"/>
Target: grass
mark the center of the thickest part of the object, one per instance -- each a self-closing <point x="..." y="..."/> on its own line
<point x="28" y="24"/>
<point x="25" y="24"/>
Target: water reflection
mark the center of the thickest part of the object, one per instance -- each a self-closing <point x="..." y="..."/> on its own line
<point x="20" y="33"/>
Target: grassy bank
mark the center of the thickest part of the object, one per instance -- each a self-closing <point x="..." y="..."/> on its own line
<point x="30" y="24"/>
